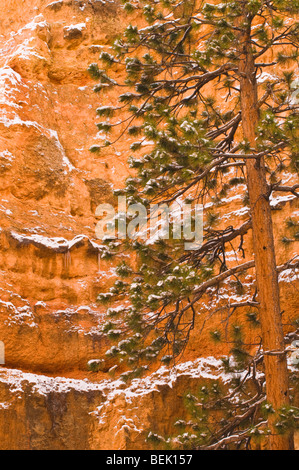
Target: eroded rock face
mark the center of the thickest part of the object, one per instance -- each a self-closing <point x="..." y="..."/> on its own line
<point x="50" y="273"/>
<point x="61" y="413"/>
<point x="50" y="184"/>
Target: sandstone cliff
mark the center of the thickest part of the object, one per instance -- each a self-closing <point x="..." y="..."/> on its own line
<point x="50" y="272"/>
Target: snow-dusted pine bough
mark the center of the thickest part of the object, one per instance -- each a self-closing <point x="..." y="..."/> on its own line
<point x="210" y="94"/>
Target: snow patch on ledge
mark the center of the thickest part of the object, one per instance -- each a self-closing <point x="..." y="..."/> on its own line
<point x="37" y="22"/>
<point x="7" y="74"/>
<point x="289" y="275"/>
<point x="17" y="381"/>
<point x="18" y="315"/>
<point x="10" y="84"/>
<point x="15" y="120"/>
<point x="79" y="26"/>
<point x="57" y="244"/>
<point x="276" y="200"/>
<point x="206" y="368"/>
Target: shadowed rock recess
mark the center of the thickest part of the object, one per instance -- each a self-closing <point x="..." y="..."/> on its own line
<point x="50" y="272"/>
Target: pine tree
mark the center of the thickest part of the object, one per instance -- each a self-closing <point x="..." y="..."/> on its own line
<point x="185" y="50"/>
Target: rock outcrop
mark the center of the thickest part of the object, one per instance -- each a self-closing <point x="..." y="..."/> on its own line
<point x="50" y="271"/>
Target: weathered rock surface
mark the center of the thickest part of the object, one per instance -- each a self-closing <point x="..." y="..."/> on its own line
<point x="60" y="413"/>
<point x="50" y="273"/>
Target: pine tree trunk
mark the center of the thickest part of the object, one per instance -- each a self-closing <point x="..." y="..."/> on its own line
<point x="277" y="388"/>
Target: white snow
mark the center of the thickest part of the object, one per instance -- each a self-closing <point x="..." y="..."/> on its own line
<point x="289" y="275"/>
<point x="18" y="315"/>
<point x="275" y="200"/>
<point x="13" y="119"/>
<point x="65" y="160"/>
<point x="79" y="26"/>
<point x="265" y="76"/>
<point x="208" y="367"/>
<point x="26" y="50"/>
<point x="54" y="243"/>
<point x="6" y="155"/>
<point x="14" y="79"/>
<point x="4" y="405"/>
<point x="38" y="21"/>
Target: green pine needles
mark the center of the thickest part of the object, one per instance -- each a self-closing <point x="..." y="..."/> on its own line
<point x="179" y="108"/>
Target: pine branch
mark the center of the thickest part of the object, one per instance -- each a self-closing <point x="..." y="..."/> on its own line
<point x="286" y="189"/>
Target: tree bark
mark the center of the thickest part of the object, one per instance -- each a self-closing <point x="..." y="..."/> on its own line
<point x="277" y="387"/>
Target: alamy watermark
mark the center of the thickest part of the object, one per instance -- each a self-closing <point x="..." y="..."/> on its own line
<point x="160" y="221"/>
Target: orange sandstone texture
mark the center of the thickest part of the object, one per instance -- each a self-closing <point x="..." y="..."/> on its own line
<point x="50" y="273"/>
